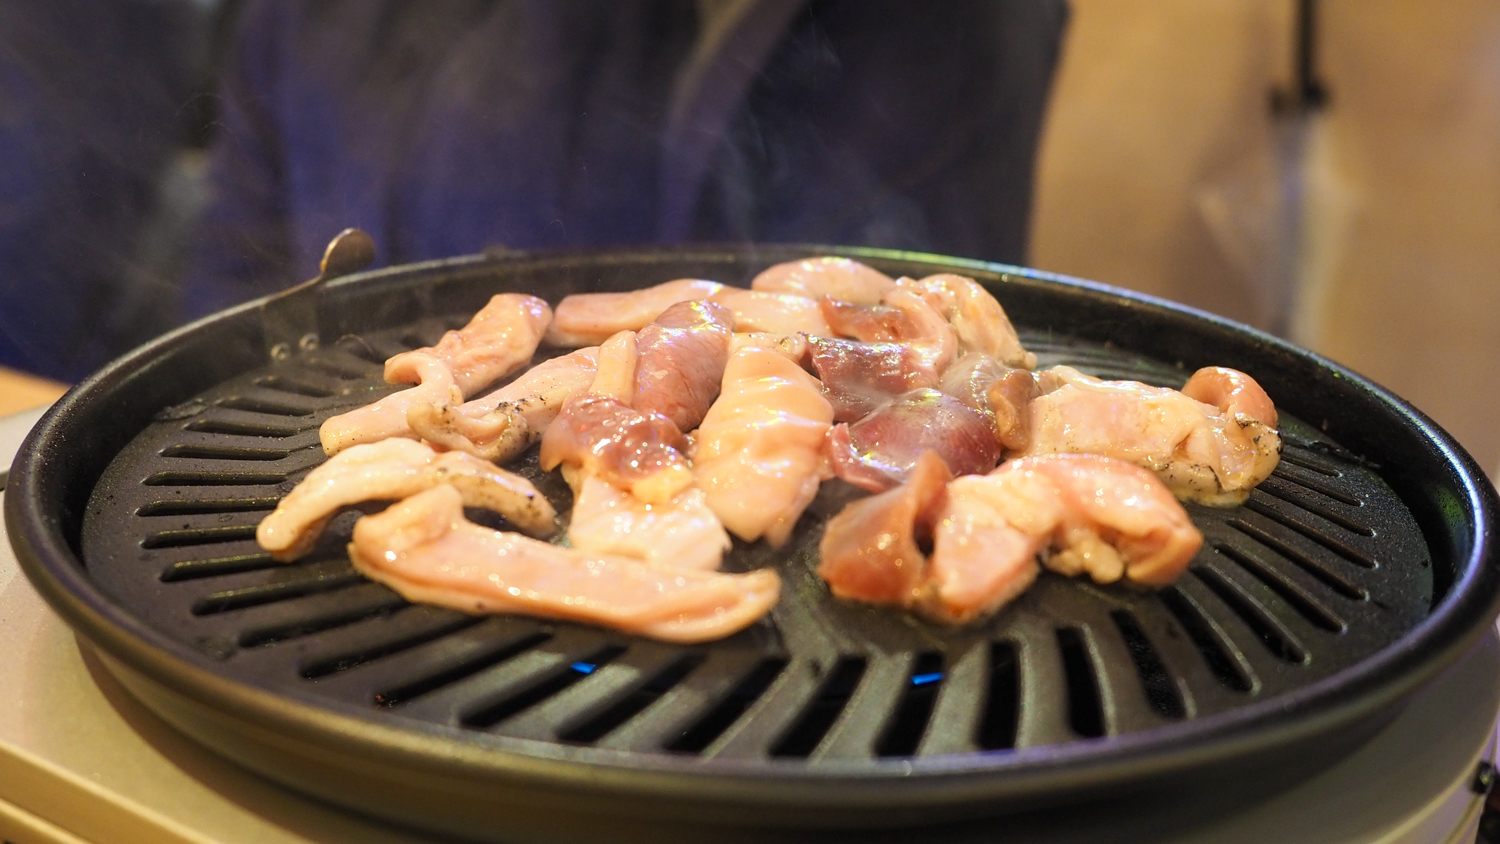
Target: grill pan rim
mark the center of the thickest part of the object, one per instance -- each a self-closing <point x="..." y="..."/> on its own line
<point x="1341" y="699"/>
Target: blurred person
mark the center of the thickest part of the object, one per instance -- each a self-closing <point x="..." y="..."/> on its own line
<point x="443" y="128"/>
<point x="95" y="102"/>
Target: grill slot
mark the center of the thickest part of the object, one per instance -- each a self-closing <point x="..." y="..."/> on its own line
<point x="1314" y="483"/>
<point x="1002" y="699"/>
<point x="451" y="671"/>
<point x="630" y="702"/>
<point x="273" y="405"/>
<point x="820" y="712"/>
<point x="1278" y="488"/>
<point x="1305" y="604"/>
<point x="242" y="428"/>
<point x="1277" y="639"/>
<point x="1332" y="580"/>
<point x="188" y="537"/>
<point x="903" y="733"/>
<point x="552" y="682"/>
<point x="1223" y="660"/>
<point x="1333" y="543"/>
<point x="212" y="478"/>
<point x="255" y="596"/>
<point x="1162" y="695"/>
<point x="295" y="386"/>
<point x="216" y="567"/>
<point x="713" y="723"/>
<point x="225" y="452"/>
<point x="355" y="603"/>
<point x="1085" y="708"/>
<point x="1298" y="456"/>
<point x="206" y="506"/>
<point x="431" y="627"/>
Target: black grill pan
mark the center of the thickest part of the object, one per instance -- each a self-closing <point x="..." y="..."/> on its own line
<point x="1351" y="576"/>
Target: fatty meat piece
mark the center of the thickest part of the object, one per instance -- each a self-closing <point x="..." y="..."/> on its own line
<point x="391" y="470"/>
<point x="427" y="551"/>
<point x="758" y="455"/>
<point x="977" y="318"/>
<point x="1207" y="453"/>
<point x="681" y="532"/>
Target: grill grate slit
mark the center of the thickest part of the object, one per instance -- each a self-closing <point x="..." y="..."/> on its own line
<point x="214" y="478"/>
<point x="903" y="733"/>
<point x="241" y="429"/>
<point x="1305" y="605"/>
<point x="224" y="452"/>
<point x="1277" y="639"/>
<point x="1085" y="707"/>
<point x="260" y="404"/>
<point x="630" y="704"/>
<point x="206" y="506"/>
<point x="216" y="567"/>
<point x="461" y="670"/>
<point x="1295" y="457"/>
<point x="1312" y="484"/>
<point x="354" y="659"/>
<point x="294" y="386"/>
<point x="712" y="724"/>
<point x="274" y="634"/>
<point x="1229" y="671"/>
<point x="1277" y="488"/>
<point x="255" y="596"/>
<point x="188" y="537"/>
<point x="1333" y="581"/>
<point x="1162" y="695"/>
<point x="550" y="685"/>
<point x="1343" y="549"/>
<point x="359" y="347"/>
<point x="1002" y="699"/>
<point x="355" y="370"/>
<point x="817" y="718"/>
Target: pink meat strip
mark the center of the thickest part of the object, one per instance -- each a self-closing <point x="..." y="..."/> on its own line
<point x="843" y="279"/>
<point x="588" y="319"/>
<point x="500" y="338"/>
<point x="388" y="471"/>
<point x="427" y="551"/>
<point x="502" y="424"/>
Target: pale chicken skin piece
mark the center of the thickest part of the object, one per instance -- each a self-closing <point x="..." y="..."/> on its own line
<point x="500" y="425"/>
<point x="758" y="455"/>
<point x="391" y="470"/>
<point x="844" y="279"/>
<point x="1204" y="453"/>
<point x="588" y="319"/>
<point x="1081" y="513"/>
<point x="679" y="533"/>
<point x="977" y="318"/>
<point x="500" y="339"/>
<point x="1084" y="514"/>
<point x="428" y="552"/>
<point x="774" y="313"/>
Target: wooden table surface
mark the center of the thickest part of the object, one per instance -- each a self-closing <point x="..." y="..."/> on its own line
<point x="20" y="391"/>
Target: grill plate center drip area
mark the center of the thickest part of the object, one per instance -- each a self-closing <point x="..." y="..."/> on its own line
<point x="826" y="712"/>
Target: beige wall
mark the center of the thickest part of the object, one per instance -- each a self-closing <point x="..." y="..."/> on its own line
<point x="1370" y="233"/>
